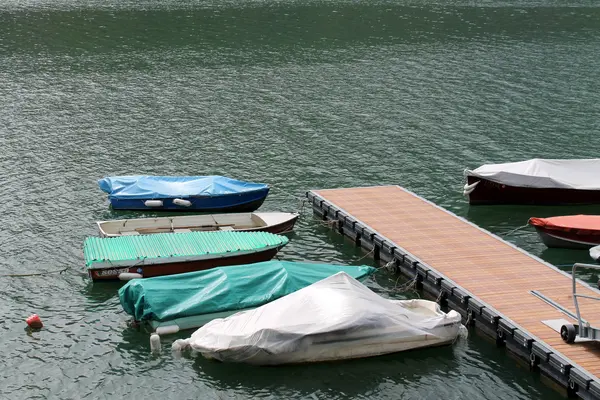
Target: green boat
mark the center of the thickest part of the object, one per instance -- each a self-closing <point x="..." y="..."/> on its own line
<point x="143" y="256"/>
<point x="185" y="301"/>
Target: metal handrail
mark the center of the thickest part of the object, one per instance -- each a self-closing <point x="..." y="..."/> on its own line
<point x="575" y="295"/>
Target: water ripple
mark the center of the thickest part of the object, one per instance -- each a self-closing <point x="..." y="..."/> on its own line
<point x="301" y="95"/>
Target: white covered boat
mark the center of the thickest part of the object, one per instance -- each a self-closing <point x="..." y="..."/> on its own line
<point x="334" y="319"/>
<point x="536" y="181"/>
<point x="273" y="222"/>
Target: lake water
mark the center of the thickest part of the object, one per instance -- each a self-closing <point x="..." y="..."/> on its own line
<point x="298" y="94"/>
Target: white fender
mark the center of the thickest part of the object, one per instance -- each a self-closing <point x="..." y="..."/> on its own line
<point x="127" y="276"/>
<point x="167" y="330"/>
<point x="595" y="252"/>
<point x="153" y="203"/>
<point x="180" y="344"/>
<point x="155" y="343"/>
<point x="468" y="189"/>
<point x="182" y="202"/>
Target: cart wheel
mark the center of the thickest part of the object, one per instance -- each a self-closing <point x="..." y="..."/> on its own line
<point x="568" y="333"/>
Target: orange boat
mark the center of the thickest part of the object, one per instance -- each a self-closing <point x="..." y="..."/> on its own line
<point x="568" y="231"/>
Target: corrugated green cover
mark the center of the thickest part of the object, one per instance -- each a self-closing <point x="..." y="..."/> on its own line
<point x="126" y="248"/>
<point x="223" y="289"/>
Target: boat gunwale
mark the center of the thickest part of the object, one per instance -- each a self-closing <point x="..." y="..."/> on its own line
<point x="290" y="216"/>
<point x="108" y="264"/>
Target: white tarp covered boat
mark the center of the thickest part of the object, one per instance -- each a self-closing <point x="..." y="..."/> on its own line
<point x="273" y="222"/>
<point x="536" y="181"/>
<point x="334" y="319"/>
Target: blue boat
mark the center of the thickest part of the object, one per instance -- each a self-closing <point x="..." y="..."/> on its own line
<point x="183" y="193"/>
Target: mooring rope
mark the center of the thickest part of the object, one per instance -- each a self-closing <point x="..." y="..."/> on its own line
<point x="59" y="271"/>
<point x="328" y="223"/>
<point x="302" y="204"/>
<point x="389" y="266"/>
<point x="366" y="255"/>
<point x="301" y="199"/>
<point x="409" y="286"/>
<point x="516" y="229"/>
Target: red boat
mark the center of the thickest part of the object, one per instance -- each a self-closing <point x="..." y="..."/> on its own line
<point x="569" y="231"/>
<point x="537" y="181"/>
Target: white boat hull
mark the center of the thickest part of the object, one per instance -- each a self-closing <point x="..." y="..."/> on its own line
<point x="273" y="222"/>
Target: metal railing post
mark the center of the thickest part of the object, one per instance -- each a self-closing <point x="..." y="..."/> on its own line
<point x="575" y="297"/>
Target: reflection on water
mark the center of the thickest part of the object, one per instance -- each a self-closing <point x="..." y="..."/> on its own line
<point x="300" y="95"/>
<point x="348" y="379"/>
<point x="98" y="293"/>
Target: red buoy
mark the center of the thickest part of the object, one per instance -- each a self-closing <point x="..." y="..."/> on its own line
<point x="34" y="322"/>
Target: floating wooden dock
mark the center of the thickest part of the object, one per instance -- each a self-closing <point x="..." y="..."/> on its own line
<point x="488" y="280"/>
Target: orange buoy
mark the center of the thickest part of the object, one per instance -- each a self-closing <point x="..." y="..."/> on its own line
<point x="34" y="322"/>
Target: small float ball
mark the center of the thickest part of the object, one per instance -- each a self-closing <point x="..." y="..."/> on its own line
<point x="34" y="322"/>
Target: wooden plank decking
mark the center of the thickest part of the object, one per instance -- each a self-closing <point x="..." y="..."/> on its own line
<point x="493" y="270"/>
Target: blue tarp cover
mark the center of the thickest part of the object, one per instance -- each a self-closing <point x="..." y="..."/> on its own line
<point x="224" y="289"/>
<point x="160" y="187"/>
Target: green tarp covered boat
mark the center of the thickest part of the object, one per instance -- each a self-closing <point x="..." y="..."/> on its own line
<point x="185" y="301"/>
<point x="129" y="257"/>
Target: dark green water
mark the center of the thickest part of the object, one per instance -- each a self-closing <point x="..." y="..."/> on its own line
<point x="298" y="94"/>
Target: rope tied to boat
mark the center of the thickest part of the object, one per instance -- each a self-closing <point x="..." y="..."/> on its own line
<point x="409" y="286"/>
<point x="302" y="204"/>
<point x="58" y="271"/>
<point x="469" y="319"/>
<point x="516" y="229"/>
<point x="302" y="200"/>
<point x="330" y="223"/>
<point x="390" y="266"/>
<point x="440" y="297"/>
<point x="366" y="255"/>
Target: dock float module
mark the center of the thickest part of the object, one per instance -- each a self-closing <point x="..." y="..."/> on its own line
<point x="492" y="283"/>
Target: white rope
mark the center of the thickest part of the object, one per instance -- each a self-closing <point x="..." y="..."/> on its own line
<point x="366" y="255"/>
<point x="516" y="229"/>
<point x="409" y="286"/>
<point x="390" y="266"/>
